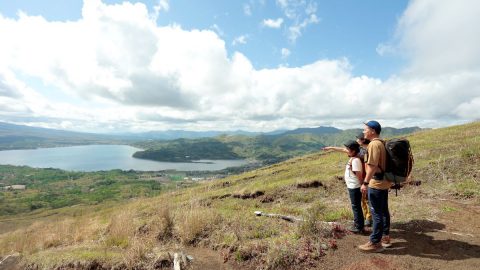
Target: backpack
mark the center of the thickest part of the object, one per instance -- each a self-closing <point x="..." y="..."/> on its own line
<point x="361" y="156"/>
<point x="399" y="161"/>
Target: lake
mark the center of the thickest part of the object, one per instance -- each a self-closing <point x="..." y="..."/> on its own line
<point x="102" y="157"/>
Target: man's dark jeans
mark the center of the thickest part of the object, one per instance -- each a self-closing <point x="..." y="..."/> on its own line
<point x="381" y="216"/>
<point x="356" y="200"/>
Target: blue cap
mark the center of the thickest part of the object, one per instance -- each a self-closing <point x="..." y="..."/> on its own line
<point x="374" y="125"/>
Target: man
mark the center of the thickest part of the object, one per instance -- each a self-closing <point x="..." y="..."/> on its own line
<point x="375" y="164"/>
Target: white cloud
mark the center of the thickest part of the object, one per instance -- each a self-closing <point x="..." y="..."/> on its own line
<point x="285" y="53"/>
<point x="272" y="23"/>
<point x="129" y="73"/>
<point x="441" y="36"/>
<point x="240" y="40"/>
<point x="300" y="14"/>
<point x="435" y="38"/>
<point x="162" y="5"/>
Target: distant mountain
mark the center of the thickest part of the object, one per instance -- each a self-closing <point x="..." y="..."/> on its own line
<point x="275" y="145"/>
<point x="182" y="134"/>
<point x="316" y="131"/>
<point x="265" y="148"/>
<point x="26" y="137"/>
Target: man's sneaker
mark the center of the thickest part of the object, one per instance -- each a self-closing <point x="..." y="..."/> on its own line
<point x="368" y="223"/>
<point x="371" y="247"/>
<point x="386" y="241"/>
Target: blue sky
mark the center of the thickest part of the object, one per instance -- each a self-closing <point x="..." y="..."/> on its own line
<point x="255" y="64"/>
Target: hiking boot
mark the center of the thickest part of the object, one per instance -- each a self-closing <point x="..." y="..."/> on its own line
<point x="371" y="247"/>
<point x="356" y="230"/>
<point x="368" y="223"/>
<point x="386" y="241"/>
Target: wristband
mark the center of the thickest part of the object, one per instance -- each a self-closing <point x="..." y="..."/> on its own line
<point x="365" y="183"/>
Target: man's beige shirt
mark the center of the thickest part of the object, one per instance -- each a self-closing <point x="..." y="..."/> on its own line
<point x="377" y="156"/>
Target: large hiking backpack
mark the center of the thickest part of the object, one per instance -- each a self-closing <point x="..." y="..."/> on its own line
<point x="399" y="161"/>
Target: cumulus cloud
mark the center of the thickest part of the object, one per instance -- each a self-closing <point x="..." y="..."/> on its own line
<point x="133" y="73"/>
<point x="8" y="87"/>
<point x="271" y="23"/>
<point x="440" y="36"/>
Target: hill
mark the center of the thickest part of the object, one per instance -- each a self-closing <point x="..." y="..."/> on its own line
<point x="434" y="224"/>
<point x="267" y="149"/>
<point x="26" y="137"/>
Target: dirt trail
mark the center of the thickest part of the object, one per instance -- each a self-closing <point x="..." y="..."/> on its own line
<point x="204" y="258"/>
<point x="450" y="242"/>
<point x="10" y="262"/>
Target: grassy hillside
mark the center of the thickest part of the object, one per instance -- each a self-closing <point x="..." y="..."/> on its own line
<point x="218" y="215"/>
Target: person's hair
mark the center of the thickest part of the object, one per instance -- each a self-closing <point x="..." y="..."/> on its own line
<point x="365" y="141"/>
<point x="355" y="150"/>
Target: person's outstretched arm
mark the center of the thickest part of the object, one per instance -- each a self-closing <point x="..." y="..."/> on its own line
<point x="334" y="148"/>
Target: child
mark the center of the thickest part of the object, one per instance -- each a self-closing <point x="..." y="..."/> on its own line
<point x="353" y="180"/>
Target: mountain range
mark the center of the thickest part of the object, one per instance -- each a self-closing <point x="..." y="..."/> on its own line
<point x="188" y="146"/>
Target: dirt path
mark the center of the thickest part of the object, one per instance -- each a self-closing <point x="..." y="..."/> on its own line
<point x="10" y="262"/>
<point x="450" y="242"/>
<point x="205" y="258"/>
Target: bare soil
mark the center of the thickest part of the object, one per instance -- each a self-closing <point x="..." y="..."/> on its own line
<point x="450" y="242"/>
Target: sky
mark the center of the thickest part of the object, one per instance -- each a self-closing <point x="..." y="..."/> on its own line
<point x="256" y="65"/>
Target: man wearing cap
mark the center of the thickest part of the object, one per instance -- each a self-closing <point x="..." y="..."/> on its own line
<point x="375" y="164"/>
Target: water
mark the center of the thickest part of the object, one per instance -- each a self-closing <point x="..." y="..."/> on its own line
<point x="102" y="157"/>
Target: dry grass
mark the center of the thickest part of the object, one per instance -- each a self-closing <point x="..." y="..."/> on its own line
<point x="138" y="251"/>
<point x="43" y="235"/>
<point x="195" y="223"/>
<point x="120" y="229"/>
<point x="163" y="223"/>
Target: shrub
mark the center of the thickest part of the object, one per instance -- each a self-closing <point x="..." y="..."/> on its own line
<point x="314" y="226"/>
<point x="282" y="255"/>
